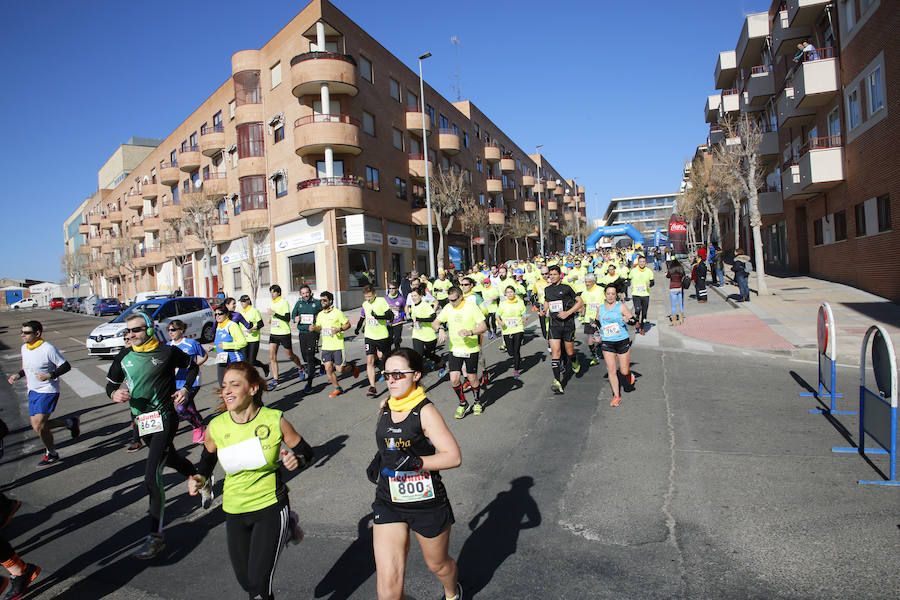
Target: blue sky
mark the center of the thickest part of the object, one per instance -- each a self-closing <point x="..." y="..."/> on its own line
<point x="613" y="90"/>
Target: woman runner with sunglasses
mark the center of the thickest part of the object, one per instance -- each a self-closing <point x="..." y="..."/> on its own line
<point x="414" y="444"/>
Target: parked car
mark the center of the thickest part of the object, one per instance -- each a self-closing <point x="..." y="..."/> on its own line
<point x="89" y="303"/>
<point x="69" y="304"/>
<point x="23" y="303"/>
<point x="108" y="339"/>
<point x="56" y="302"/>
<point x="107" y="306"/>
<point x="76" y="307"/>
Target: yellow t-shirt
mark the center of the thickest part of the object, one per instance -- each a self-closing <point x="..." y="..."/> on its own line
<point x="466" y="317"/>
<point x="332" y="322"/>
<point x="422" y="331"/>
<point x="376" y="329"/>
<point x="593" y="300"/>
<point x="512" y="312"/>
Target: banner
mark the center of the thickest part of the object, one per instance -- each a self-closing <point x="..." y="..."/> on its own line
<point x="678" y="234"/>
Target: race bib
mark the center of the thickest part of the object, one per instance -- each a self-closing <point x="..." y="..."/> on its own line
<point x="460" y="352"/>
<point x="243" y="456"/>
<point x="328" y="331"/>
<point x="371" y="322"/>
<point x="306" y="319"/>
<point x="640" y="289"/>
<point x="512" y="321"/>
<point x="417" y="325"/>
<point x="411" y="486"/>
<point x="221" y="358"/>
<point x="148" y="423"/>
<point x="594" y="307"/>
<point x="556" y="306"/>
<point x="611" y="329"/>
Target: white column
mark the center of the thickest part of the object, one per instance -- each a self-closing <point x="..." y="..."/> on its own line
<point x="325" y="96"/>
<point x="320" y="36"/>
<point x="329" y="162"/>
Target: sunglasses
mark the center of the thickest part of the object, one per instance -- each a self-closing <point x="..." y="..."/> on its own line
<point x="175" y="329"/>
<point x="27" y="332"/>
<point x="218" y="314"/>
<point x="465" y="284"/>
<point x="396" y="375"/>
<point x="136" y="329"/>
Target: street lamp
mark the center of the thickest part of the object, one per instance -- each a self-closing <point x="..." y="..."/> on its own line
<point x="431" y="267"/>
<point x="537" y="150"/>
<point x="577" y="214"/>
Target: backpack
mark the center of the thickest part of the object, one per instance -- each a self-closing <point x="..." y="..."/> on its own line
<point x="685" y="282"/>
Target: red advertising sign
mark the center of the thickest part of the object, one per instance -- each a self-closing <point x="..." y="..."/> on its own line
<point x="678" y="234"/>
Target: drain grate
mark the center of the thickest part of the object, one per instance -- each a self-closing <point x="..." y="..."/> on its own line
<point x="793" y="289"/>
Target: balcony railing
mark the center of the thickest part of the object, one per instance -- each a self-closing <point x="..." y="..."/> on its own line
<point x="350" y="180"/>
<point x="760" y="70"/>
<point x="818" y="54"/>
<point x="169" y="165"/>
<point x="212" y="129"/>
<point x="208" y="176"/>
<point x="319" y="55"/>
<point x="190" y="149"/>
<point x="330" y="118"/>
<point x="820" y="143"/>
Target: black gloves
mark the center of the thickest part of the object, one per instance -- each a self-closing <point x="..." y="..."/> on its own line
<point x="393" y="461"/>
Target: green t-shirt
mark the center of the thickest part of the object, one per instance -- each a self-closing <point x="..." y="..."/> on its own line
<point x="467" y="317"/>
<point x="593" y="300"/>
<point x="422" y="330"/>
<point x="278" y="326"/>
<point x="332" y="322"/>
<point x="640" y="281"/>
<point x="149" y="376"/>
<point x="253" y="317"/>
<point x="440" y="288"/>
<point x="373" y="313"/>
<point x="489" y="297"/>
<point x="512" y="314"/>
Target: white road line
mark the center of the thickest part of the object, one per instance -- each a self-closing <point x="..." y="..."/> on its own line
<point x="11" y="356"/>
<point x="695" y="345"/>
<point x="76" y="341"/>
<point x="81" y="384"/>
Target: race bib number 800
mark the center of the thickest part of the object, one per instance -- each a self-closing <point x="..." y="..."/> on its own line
<point x="411" y="486"/>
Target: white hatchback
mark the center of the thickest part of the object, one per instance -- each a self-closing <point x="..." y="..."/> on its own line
<point x="23" y="303"/>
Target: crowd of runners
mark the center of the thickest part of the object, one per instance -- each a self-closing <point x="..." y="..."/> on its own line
<point x="449" y="320"/>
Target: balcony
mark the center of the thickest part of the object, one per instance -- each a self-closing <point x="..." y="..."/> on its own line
<point x="790" y="183"/>
<point x="726" y="69"/>
<point x="221" y="232"/>
<point x="769" y="201"/>
<point x="151" y="223"/>
<point x="569" y="201"/>
<point x="417" y="167"/>
<point x="192" y="243"/>
<point x="341" y="193"/>
<point x="731" y="102"/>
<point x="309" y="71"/>
<point x="551" y="185"/>
<point x="115" y="216"/>
<point x="170" y="212"/>
<point x="529" y="206"/>
<point x="169" y="173"/>
<point x="539" y="188"/>
<point x="711" y="109"/>
<point x="106" y="247"/>
<point x="784" y="37"/>
<point x="106" y="223"/>
<point x="414" y="121"/>
<point x="314" y="133"/>
<point x="153" y="255"/>
<point x="420" y="216"/>
<point x="189" y="159"/>
<point x="84" y="249"/>
<point x="527" y="180"/>
<point x="212" y="140"/>
<point x="761" y="85"/>
<point x="496" y="216"/>
<point x="508" y="164"/>
<point x="805" y="12"/>
<point x="149" y="191"/>
<point x="768" y="147"/>
<point x="817" y="79"/>
<point x="215" y="185"/>
<point x="136" y="232"/>
<point x="789" y="114"/>
<point x="94" y="218"/>
<point x="491" y="152"/>
<point x="254" y="220"/>
<point x="552" y="205"/>
<point x="95" y="242"/>
<point x="494" y="185"/>
<point x="84" y="228"/>
<point x="753" y="36"/>
<point x="448" y="141"/>
<point x="251" y="165"/>
<point x="251" y="111"/>
<point x="821" y="164"/>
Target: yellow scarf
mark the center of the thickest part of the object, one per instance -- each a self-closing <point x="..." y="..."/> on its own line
<point x="32" y="346"/>
<point x="409" y="401"/>
<point x="148" y="346"/>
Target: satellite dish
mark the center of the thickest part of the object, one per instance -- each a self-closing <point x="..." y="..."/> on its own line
<point x="198" y="184"/>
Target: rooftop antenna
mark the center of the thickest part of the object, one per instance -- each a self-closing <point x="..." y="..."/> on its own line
<point x="456" y="86"/>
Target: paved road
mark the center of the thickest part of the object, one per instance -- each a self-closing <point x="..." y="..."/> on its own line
<point x="711" y="480"/>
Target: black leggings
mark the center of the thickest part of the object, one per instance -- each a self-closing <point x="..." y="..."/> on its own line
<point x="427" y="350"/>
<point x="252" y="351"/>
<point x="396" y="336"/>
<point x="641" y="307"/>
<point x="255" y="540"/>
<point x="513" y="343"/>
<point x="6" y="551"/>
<point x="543" y="321"/>
<point x="162" y="452"/>
<point x="491" y="319"/>
<point x="309" y="345"/>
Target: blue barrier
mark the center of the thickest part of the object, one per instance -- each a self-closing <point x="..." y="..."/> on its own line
<point x="878" y="407"/>
<point x="827" y="381"/>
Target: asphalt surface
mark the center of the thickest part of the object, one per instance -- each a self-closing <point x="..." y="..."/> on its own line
<point x="711" y="480"/>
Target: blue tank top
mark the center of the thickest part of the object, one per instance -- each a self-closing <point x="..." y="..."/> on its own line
<point x="612" y="323"/>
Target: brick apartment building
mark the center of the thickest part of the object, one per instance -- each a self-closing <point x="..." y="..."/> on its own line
<point x="319" y="123"/>
<point x="830" y="120"/>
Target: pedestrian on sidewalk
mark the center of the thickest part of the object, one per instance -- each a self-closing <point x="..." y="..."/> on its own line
<point x="698" y="276"/>
<point x="718" y="267"/>
<point x="741" y="268"/>
<point x="676" y="277"/>
<point x="711" y="262"/>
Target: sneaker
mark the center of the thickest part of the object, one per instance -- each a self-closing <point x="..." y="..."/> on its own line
<point x="75" y="429"/>
<point x="134" y="446"/>
<point x="576" y="365"/>
<point x="272" y="385"/>
<point x="295" y="532"/>
<point x="477" y="408"/>
<point x="337" y="392"/>
<point x="265" y="369"/>
<point x="515" y="374"/>
<point x="14" y="505"/>
<point x="152" y="546"/>
<point x="18" y="585"/>
<point x="549" y="350"/>
<point x="556" y="386"/>
<point x="380" y="379"/>
<point x="308" y="387"/>
<point x="371" y="392"/>
<point x="199" y="435"/>
<point x="355" y="372"/>
<point x="458" y="596"/>
<point x="442" y="372"/>
<point x="301" y="375"/>
<point x="594" y="361"/>
<point x="207" y="494"/>
<point x="502" y="347"/>
<point x="615" y="401"/>
<point x="462" y="410"/>
<point x="49" y="459"/>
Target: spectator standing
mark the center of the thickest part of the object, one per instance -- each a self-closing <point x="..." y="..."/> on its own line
<point x="741" y="268"/>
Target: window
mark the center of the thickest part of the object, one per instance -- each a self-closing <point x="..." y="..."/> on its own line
<point x="481" y="199"/>
<point x="250" y="140"/>
<point x="465" y="140"/>
<point x="851" y="14"/>
<point x="860" y="219"/>
<point x="193" y="140"/>
<point x="398" y="138"/>
<point x="818" y="235"/>
<point x="365" y="69"/>
<point x="362" y="267"/>
<point x="253" y="192"/>
<point x="840" y="225"/>
<point x="217" y="119"/>
<point x="445" y="124"/>
<point x="834" y="122"/>
<point x="303" y="270"/>
<point x="175" y="192"/>
<point x="415" y="146"/>
<point x="280" y="186"/>
<point x="477" y="129"/>
<point x="430" y="110"/>
<point x="246" y="88"/>
<point x="279" y="133"/>
<point x="454" y="128"/>
<point x="400" y="188"/>
<point x="478" y="165"/>
<point x="884" y="213"/>
<point x="874" y="91"/>
<point x="412" y="99"/>
<point x="173" y="157"/>
<point x="275" y="73"/>
<point x="265" y="277"/>
<point x="395" y="90"/>
<point x="853" y="116"/>
<point x="369" y="123"/>
<point x="372" y="179"/>
<point x="231" y="106"/>
<point x="236" y="277"/>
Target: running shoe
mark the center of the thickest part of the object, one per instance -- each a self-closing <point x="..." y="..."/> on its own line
<point x="549" y="350"/>
<point x="75" y="429"/>
<point x="442" y="372"/>
<point x="556" y="386"/>
<point x="152" y="546"/>
<point x="308" y="387"/>
<point x="199" y="435"/>
<point x="515" y="374"/>
<point x="355" y="372"/>
<point x="462" y="410"/>
<point x="295" y="532"/>
<point x="18" y="585"/>
<point x="13" y="506"/>
<point x="576" y="365"/>
<point x="265" y="369"/>
<point x="207" y="494"/>
<point x="615" y="401"/>
<point x="458" y="596"/>
<point x="371" y="392"/>
<point x="337" y="392"/>
<point x="380" y="379"/>
<point x="301" y="375"/>
<point x="272" y="385"/>
<point x="477" y="408"/>
<point x="321" y="370"/>
<point x="594" y="361"/>
<point x="49" y="459"/>
<point x="502" y="347"/>
<point x="134" y="446"/>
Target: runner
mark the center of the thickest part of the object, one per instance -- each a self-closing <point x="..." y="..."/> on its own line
<point x="511" y="314"/>
<point x="230" y="341"/>
<point x="440" y="286"/>
<point x="21" y="573"/>
<point x="304" y="315"/>
<point x="247" y="441"/>
<point x="616" y="343"/>
<point x="465" y="323"/>
<point x="187" y="411"/>
<point x="375" y="314"/>
<point x="148" y="369"/>
<point x="252" y="333"/>
<point x="561" y="303"/>
<point x="42" y="366"/>
<point x="237" y="317"/>
<point x="540" y="285"/>
<point x="593" y="297"/>
<point x="332" y="323"/>
<point x="414" y="445"/>
<point x="397" y="303"/>
<point x="280" y="335"/>
<point x="641" y="282"/>
<point x="424" y="338"/>
<point x="490" y="296"/>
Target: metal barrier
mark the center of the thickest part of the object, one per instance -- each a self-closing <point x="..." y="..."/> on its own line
<point x="827" y="384"/>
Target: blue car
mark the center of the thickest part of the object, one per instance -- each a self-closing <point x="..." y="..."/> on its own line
<point x="107" y="306"/>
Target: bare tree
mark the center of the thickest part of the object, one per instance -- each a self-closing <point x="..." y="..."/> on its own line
<point x="520" y="228"/>
<point x="498" y="232"/>
<point x="126" y="257"/>
<point x="448" y="194"/>
<point x="201" y="213"/>
<point x="177" y="228"/>
<point x="743" y="166"/>
<point x="255" y="245"/>
<point x="704" y="188"/>
<point x="73" y="264"/>
<point x="472" y="217"/>
<point x="689" y="209"/>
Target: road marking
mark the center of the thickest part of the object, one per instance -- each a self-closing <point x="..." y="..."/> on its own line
<point x="11" y="356"/>
<point x="81" y="384"/>
<point x="695" y="345"/>
<point x="76" y="341"/>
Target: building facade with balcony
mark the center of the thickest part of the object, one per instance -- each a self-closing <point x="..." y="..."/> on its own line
<point x="830" y="201"/>
<point x="644" y="213"/>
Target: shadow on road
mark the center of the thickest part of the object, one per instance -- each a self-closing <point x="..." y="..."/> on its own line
<point x="353" y="568"/>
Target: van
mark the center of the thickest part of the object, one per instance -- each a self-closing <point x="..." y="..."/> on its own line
<point x="89" y="303"/>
